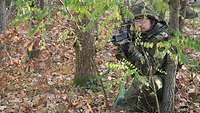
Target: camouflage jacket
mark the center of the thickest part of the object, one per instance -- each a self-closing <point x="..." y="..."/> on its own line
<point x="143" y="58"/>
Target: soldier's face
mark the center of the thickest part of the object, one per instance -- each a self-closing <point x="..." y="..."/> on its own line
<point x="142" y="24"/>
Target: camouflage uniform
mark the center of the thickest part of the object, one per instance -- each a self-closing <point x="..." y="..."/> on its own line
<point x="140" y="97"/>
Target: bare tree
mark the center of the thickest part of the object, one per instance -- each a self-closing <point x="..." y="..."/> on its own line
<point x="84" y="46"/>
<point x="85" y="56"/>
<point x="2" y="15"/>
<point x="170" y="79"/>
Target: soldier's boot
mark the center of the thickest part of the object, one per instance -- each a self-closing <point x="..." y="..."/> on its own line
<point x="120" y="102"/>
<point x="133" y="97"/>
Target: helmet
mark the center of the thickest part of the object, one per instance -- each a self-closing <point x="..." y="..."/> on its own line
<point x="142" y="9"/>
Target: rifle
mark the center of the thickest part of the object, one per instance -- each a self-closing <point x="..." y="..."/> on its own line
<point x="123" y="35"/>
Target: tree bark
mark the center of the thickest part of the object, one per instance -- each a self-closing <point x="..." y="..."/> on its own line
<point x="85" y="58"/>
<point x="167" y="105"/>
<point x="2" y="16"/>
<point x="10" y="11"/>
<point x="183" y="4"/>
<point x="174" y="6"/>
<point x="40" y="3"/>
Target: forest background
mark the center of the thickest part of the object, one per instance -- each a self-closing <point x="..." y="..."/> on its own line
<point x="50" y="49"/>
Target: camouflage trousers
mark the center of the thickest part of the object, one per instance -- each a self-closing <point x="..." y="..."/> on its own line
<point x="140" y="97"/>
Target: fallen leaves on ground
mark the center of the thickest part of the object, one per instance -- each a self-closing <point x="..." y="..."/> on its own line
<point x="46" y="85"/>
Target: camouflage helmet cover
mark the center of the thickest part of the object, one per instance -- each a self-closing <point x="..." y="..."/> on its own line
<point x="142" y="9"/>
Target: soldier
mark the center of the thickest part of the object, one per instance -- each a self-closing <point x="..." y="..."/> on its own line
<point x="146" y="27"/>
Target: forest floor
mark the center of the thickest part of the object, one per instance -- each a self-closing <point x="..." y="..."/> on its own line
<point x="45" y="84"/>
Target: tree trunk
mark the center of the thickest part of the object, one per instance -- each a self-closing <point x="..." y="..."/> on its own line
<point x="40" y="3"/>
<point x="169" y="87"/>
<point x="85" y="58"/>
<point x="49" y="3"/>
<point x="10" y="11"/>
<point x="183" y="4"/>
<point x="174" y="6"/>
<point x="2" y="15"/>
<point x="167" y="105"/>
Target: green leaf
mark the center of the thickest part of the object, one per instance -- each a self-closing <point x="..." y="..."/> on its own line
<point x="160" y="5"/>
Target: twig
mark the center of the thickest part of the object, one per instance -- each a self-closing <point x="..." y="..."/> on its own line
<point x="9" y="56"/>
<point x="154" y="89"/>
<point x="61" y="2"/>
<point x="90" y="109"/>
<point x="67" y="11"/>
<point x="105" y="95"/>
<point x="103" y="88"/>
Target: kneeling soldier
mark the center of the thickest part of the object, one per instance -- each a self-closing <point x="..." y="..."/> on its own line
<point x="146" y="27"/>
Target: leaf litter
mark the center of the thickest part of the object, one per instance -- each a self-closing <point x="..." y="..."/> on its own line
<point x="46" y="85"/>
